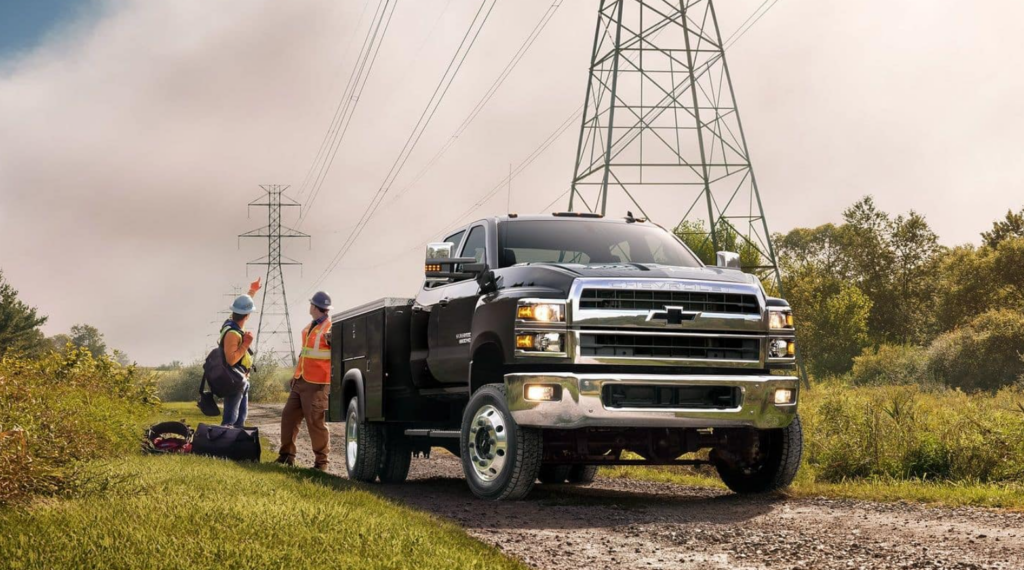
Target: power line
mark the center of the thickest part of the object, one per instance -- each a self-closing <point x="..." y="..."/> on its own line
<point x="354" y="90"/>
<point x="509" y="67"/>
<point x="471" y="35"/>
<point x="337" y="110"/>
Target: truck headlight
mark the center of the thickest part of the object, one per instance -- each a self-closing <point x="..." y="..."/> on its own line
<point x="781" y="348"/>
<point x="540" y="342"/>
<point x="540" y="312"/>
<point x="780" y="320"/>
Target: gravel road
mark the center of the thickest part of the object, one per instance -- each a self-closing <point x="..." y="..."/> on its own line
<point x="617" y="523"/>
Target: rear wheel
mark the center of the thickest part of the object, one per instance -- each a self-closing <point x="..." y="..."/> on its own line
<point x="363" y="445"/>
<point x="395" y="460"/>
<point x="500" y="459"/>
<point x="582" y="474"/>
<point x="775" y="466"/>
<point x="554" y="474"/>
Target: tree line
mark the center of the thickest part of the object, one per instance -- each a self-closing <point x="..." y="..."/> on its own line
<point x="21" y="332"/>
<point x="879" y="293"/>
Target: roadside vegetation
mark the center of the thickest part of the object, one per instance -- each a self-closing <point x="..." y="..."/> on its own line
<point x="180" y="383"/>
<point x="915" y="353"/>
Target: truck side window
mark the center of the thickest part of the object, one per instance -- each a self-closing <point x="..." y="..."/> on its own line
<point x="456" y="240"/>
<point x="476" y="244"/>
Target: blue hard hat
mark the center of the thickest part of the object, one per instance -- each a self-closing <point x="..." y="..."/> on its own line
<point x="322" y="300"/>
<point x="243" y="305"/>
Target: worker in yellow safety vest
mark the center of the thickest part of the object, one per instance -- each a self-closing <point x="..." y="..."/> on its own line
<point x="310" y="386"/>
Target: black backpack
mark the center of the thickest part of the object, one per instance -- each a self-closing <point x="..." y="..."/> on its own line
<point x="224" y="380"/>
<point x="239" y="444"/>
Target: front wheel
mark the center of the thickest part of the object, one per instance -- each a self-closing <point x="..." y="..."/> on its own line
<point x="776" y="464"/>
<point x="363" y="445"/>
<point x="500" y="459"/>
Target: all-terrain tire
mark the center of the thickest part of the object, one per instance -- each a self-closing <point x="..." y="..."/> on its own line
<point x="554" y="474"/>
<point x="582" y="474"/>
<point x="395" y="460"/>
<point x="521" y="448"/>
<point x="362" y="461"/>
<point x="777" y="470"/>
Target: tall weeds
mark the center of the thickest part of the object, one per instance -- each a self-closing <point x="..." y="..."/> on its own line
<point x="61" y="410"/>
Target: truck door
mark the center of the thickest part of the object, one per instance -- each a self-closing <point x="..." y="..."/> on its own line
<point x="451" y="348"/>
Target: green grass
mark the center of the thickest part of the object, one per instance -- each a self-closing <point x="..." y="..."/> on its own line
<point x="1008" y="496"/>
<point x="192" y="512"/>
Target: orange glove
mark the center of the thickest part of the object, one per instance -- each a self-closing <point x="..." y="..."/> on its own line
<point x="254" y="287"/>
<point x="247" y="339"/>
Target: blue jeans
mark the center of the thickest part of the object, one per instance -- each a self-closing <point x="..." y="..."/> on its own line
<point x="236" y="408"/>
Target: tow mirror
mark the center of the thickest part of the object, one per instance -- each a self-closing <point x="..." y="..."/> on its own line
<point x="728" y="260"/>
<point x="441" y="266"/>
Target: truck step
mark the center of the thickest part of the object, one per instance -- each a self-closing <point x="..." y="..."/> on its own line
<point x="432" y="433"/>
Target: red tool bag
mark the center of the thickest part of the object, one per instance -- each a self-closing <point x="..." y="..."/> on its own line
<point x="168" y="437"/>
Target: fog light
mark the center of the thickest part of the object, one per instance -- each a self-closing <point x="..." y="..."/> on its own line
<point x="784" y="396"/>
<point x="540" y="393"/>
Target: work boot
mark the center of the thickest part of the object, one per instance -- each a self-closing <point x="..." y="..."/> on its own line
<point x="321" y="467"/>
<point x="285" y="460"/>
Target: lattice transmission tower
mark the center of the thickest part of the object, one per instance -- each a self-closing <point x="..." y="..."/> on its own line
<point x="274" y="333"/>
<point x="661" y="131"/>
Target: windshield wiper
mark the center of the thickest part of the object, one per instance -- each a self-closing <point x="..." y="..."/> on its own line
<point x="639" y="266"/>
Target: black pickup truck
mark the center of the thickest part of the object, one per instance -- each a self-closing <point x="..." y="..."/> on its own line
<point x="542" y="347"/>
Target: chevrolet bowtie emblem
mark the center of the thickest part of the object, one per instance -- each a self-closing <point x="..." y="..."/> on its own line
<point x="672" y="315"/>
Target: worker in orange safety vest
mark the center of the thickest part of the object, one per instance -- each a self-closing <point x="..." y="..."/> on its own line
<point x="310" y="386"/>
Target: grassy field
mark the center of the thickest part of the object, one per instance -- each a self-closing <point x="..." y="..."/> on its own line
<point x="147" y="511"/>
<point x="898" y="443"/>
<point x="192" y="512"/>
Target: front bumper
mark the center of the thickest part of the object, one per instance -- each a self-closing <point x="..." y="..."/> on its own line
<point x="581" y="405"/>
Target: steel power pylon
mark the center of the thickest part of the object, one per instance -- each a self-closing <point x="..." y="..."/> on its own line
<point x="661" y="130"/>
<point x="274" y="332"/>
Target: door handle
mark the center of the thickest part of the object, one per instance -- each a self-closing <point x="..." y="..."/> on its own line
<point x="443" y="302"/>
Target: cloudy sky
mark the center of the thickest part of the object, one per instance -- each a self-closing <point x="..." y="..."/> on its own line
<point x="133" y="134"/>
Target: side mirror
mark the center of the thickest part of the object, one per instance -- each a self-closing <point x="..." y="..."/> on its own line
<point x="728" y="260"/>
<point x="440" y="265"/>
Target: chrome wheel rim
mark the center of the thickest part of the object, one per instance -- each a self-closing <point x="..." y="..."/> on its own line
<point x="488" y="443"/>
<point x="351" y="439"/>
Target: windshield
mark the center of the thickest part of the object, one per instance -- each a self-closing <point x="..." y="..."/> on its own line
<point x="590" y="243"/>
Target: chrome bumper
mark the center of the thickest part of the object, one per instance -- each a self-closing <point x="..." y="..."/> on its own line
<point x="581" y="405"/>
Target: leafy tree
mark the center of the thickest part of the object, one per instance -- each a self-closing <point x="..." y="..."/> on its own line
<point x="831" y="317"/>
<point x="915" y="251"/>
<point x="59" y="341"/>
<point x="89" y="338"/>
<point x="19" y="323"/>
<point x="1009" y="227"/>
<point x="697" y="237"/>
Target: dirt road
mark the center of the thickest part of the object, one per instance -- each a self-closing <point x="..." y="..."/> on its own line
<point x="634" y="524"/>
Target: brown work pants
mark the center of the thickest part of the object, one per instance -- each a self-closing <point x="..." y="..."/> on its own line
<point x="306" y="401"/>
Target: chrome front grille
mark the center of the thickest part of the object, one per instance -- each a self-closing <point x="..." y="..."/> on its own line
<point x="616" y="344"/>
<point x="689" y="301"/>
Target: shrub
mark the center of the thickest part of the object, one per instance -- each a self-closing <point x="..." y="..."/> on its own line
<point x="890" y="365"/>
<point x="984" y="355"/>
<point x="181" y="385"/>
<point x="62" y="409"/>
<point x="901" y="432"/>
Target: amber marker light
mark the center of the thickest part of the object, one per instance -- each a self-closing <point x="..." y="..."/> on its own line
<point x="524" y="341"/>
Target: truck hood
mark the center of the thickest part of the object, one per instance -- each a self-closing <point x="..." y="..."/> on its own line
<point x="653" y="271"/>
